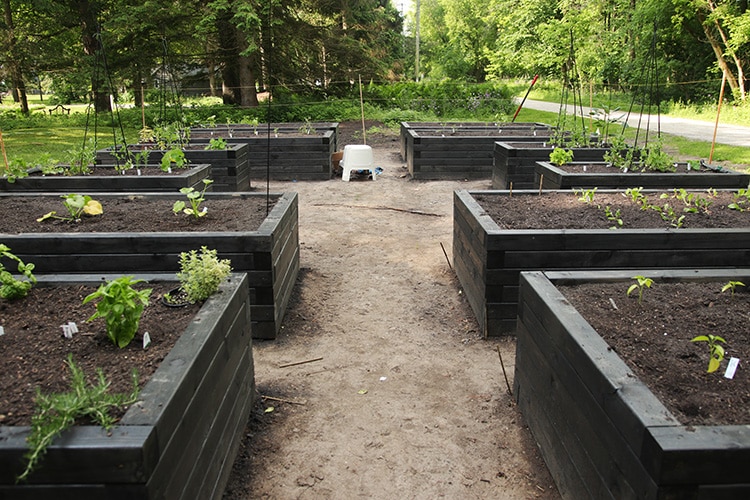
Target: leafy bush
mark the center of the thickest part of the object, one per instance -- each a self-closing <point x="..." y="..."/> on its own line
<point x="201" y="273"/>
<point x="121" y="306"/>
<point x="11" y="288"/>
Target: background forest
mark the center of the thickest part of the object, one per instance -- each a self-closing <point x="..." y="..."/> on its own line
<point x="87" y="50"/>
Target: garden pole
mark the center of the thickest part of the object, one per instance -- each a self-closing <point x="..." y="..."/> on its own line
<point x="524" y="98"/>
<point x="718" y="110"/>
<point x="362" y="108"/>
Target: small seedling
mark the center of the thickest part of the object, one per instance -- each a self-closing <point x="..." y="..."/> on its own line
<point x="77" y="206"/>
<point x="716" y="350"/>
<point x="121" y="307"/>
<point x="732" y="285"/>
<point x="641" y="283"/>
<point x="613" y="217"/>
<point x="201" y="273"/>
<point x="195" y="198"/>
<point x="741" y="200"/>
<point x="585" y="195"/>
<point x="561" y="156"/>
<point x="11" y="288"/>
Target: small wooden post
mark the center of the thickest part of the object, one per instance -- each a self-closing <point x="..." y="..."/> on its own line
<point x="718" y="110"/>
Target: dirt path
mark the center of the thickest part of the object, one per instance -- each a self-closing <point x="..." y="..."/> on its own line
<point x="405" y="400"/>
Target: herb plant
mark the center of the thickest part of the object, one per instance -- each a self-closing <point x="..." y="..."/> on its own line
<point x="641" y="283"/>
<point x="657" y="159"/>
<point x="195" y="198"/>
<point x="57" y="412"/>
<point x="716" y="351"/>
<point x="121" y="306"/>
<point x="77" y="206"/>
<point x="173" y="157"/>
<point x="217" y="143"/>
<point x="201" y="273"/>
<point x="11" y="288"/>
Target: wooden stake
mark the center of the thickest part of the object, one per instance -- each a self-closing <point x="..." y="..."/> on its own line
<point x="510" y="193"/>
<point x="362" y="108"/>
<point x="718" y="110"/>
<point x="282" y="400"/>
<point x="446" y="256"/>
<point x="541" y="181"/>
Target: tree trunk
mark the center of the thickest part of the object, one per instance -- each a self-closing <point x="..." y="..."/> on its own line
<point x="737" y="62"/>
<point x="248" y="94"/>
<point x="92" y="47"/>
<point x="229" y="55"/>
<point x="17" y="83"/>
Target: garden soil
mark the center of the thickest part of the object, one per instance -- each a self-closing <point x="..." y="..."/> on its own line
<point x="379" y="384"/>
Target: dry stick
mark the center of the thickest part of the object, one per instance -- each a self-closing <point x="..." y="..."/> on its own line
<point x="507" y="384"/>
<point x="541" y="181"/>
<point x="446" y="256"/>
<point x="300" y="362"/>
<point x="362" y="108"/>
<point x="510" y="194"/>
<point x="282" y="400"/>
<point x="718" y="110"/>
<point x="415" y="212"/>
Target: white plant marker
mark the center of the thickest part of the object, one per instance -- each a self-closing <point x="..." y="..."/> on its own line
<point x="731" y="367"/>
<point x="66" y="331"/>
<point x="146" y="340"/>
<point x="73" y="327"/>
<point x="139" y="172"/>
<point x="2" y="331"/>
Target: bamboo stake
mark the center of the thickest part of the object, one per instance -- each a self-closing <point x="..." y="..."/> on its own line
<point x="362" y="108"/>
<point x="300" y="362"/>
<point x="541" y="181"/>
<point x="502" y="365"/>
<point x="270" y="398"/>
<point x="718" y="110"/>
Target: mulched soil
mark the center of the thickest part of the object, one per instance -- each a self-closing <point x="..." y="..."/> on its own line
<point x="563" y="210"/>
<point x="654" y="339"/>
<point x="34" y="350"/>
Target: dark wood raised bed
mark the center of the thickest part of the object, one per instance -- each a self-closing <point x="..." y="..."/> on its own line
<point x="448" y="126"/>
<point x="458" y="154"/>
<point x="262" y="129"/>
<point x="572" y="176"/>
<point x="102" y="179"/>
<point x="488" y="259"/>
<point x="294" y="155"/>
<point x="269" y="255"/>
<point x="515" y="161"/>
<point x="602" y="432"/>
<point x="230" y="168"/>
<point x="179" y="440"/>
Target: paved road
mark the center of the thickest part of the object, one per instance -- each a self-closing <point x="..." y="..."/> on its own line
<point x="734" y="135"/>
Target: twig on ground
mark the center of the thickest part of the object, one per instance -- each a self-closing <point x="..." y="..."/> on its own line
<point x="406" y="210"/>
<point x="446" y="256"/>
<point x="280" y="400"/>
<point x="300" y="362"/>
<point x="507" y="384"/>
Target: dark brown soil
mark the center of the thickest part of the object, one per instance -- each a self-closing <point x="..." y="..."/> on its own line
<point x="110" y="170"/>
<point x="34" y="350"/>
<point x="606" y="168"/>
<point x="563" y="210"/>
<point x="654" y="339"/>
<point x="131" y="214"/>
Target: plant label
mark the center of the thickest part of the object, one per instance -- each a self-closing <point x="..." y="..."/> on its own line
<point x="146" y="340"/>
<point x="731" y="367"/>
<point x="2" y="331"/>
<point x="66" y="331"/>
<point x="139" y="172"/>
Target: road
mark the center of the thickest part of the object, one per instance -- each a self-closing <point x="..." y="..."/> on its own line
<point x="733" y="135"/>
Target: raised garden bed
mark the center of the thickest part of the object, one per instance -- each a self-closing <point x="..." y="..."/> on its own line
<point x="459" y="154"/>
<point x="602" y="432"/>
<point x="245" y="130"/>
<point x="488" y="258"/>
<point x="104" y="178"/>
<point x="514" y="162"/>
<point x="179" y="440"/>
<point x="449" y="126"/>
<point x="270" y="254"/>
<point x="230" y="168"/>
<point x="589" y="175"/>
<point x="294" y="154"/>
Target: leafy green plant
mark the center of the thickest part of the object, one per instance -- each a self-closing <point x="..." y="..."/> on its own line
<point x="641" y="283"/>
<point x="217" y="143"/>
<point x="195" y="198"/>
<point x="80" y="158"/>
<point x="121" y="306"/>
<point x="11" y="288"/>
<point x="201" y="273"/>
<point x="307" y="127"/>
<point x="146" y="134"/>
<point x="657" y="159"/>
<point x="636" y="196"/>
<point x="561" y="156"/>
<point x="141" y="158"/>
<point x="732" y="285"/>
<point x="716" y="351"/>
<point x="585" y="195"/>
<point x="693" y="202"/>
<point x="620" y="155"/>
<point x="57" y="412"/>
<point x="613" y="217"/>
<point x="77" y="205"/>
<point x="741" y="200"/>
<point x="174" y="156"/>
